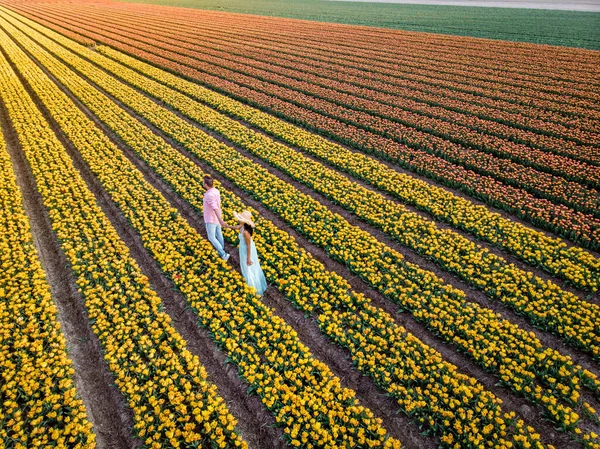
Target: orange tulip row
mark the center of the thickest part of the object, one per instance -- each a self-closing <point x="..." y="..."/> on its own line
<point x="299" y="390"/>
<point x="342" y="50"/>
<point x="486" y="338"/>
<point x="514" y="60"/>
<point x="323" y="70"/>
<point x="562" y="220"/>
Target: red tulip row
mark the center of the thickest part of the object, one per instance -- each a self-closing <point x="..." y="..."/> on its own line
<point x="393" y="103"/>
<point x="273" y="36"/>
<point x="424" y="73"/>
<point x="547" y="186"/>
<point x="508" y="121"/>
<point x="472" y="132"/>
<point x="577" y="226"/>
<point x="76" y="36"/>
<point x="482" y="55"/>
<point x="451" y="57"/>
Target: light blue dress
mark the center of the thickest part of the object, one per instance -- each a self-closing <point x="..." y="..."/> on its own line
<point x="253" y="274"/>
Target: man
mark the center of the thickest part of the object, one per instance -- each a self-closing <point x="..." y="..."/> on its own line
<point x="213" y="216"/>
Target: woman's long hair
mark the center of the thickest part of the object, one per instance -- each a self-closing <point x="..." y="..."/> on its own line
<point x="248" y="228"/>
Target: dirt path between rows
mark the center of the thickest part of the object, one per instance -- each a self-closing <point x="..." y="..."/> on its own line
<point x="449" y="353"/>
<point x="523" y="407"/>
<point x="105" y="405"/>
<point x="334" y="356"/>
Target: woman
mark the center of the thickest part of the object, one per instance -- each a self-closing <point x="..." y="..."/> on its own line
<point x="249" y="263"/>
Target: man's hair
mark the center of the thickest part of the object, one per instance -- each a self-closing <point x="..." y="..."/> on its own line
<point x="208" y="180"/>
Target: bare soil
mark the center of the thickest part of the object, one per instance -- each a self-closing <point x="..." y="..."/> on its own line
<point x="529" y="412"/>
<point x="105" y="405"/>
<point x="332" y="355"/>
<point x="336" y="358"/>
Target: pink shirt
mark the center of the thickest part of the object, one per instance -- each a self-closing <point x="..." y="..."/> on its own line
<point x="212" y="206"/>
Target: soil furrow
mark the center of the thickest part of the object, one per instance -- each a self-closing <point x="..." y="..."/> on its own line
<point x="257" y="426"/>
<point x="510" y="258"/>
<point x="105" y="405"/>
<point x="524" y="408"/>
<point x="334" y="356"/>
<point x="473" y="294"/>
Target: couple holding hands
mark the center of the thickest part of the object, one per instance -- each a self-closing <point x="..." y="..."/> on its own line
<point x="249" y="263"/>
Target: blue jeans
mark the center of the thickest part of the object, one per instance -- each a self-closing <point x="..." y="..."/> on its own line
<point x="215" y="236"/>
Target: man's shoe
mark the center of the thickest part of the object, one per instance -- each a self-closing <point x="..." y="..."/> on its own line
<point x="225" y="257"/>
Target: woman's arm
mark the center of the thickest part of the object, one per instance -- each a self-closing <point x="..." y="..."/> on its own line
<point x="248" y="240"/>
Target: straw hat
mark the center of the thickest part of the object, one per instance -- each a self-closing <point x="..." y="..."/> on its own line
<point x="244" y="217"/>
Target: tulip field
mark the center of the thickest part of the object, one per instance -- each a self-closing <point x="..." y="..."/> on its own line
<point x="428" y="220"/>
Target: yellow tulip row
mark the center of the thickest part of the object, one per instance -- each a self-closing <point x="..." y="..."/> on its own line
<point x="297" y="388"/>
<point x="316" y="291"/>
<point x="546" y="305"/>
<point x="574" y="264"/>
<point x="543" y="302"/>
<point x="516" y="356"/>
<point x="164" y="384"/>
<point x="39" y="405"/>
